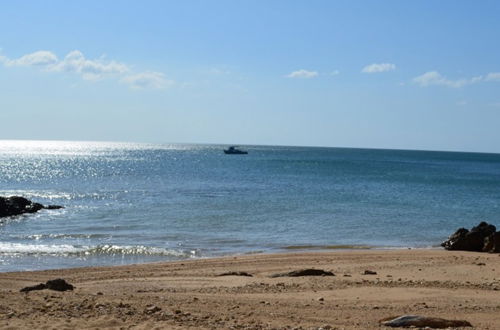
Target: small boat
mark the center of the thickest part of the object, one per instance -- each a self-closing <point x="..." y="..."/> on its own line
<point x="234" y="151"/>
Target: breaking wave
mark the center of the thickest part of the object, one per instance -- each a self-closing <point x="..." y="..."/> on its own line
<point x="17" y="249"/>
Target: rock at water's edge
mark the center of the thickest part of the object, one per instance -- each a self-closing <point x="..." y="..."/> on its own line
<point x="481" y="238"/>
<point x="492" y="243"/>
<point x="16" y="205"/>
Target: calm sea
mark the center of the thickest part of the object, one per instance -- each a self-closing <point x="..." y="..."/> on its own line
<point x="130" y="203"/>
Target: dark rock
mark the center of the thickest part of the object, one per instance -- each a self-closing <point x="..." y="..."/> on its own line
<point x="236" y="274"/>
<point x="53" y="207"/>
<point x="473" y="240"/>
<point x="492" y="243"/>
<point x="16" y="205"/>
<point x="423" y="321"/>
<point x="369" y="272"/>
<point x="59" y="285"/>
<point x="33" y="207"/>
<point x="305" y="272"/>
<point x="484" y="227"/>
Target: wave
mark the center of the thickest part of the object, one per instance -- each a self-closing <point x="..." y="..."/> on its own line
<point x="138" y="250"/>
<point x="32" y="249"/>
<point x="59" y="236"/>
<point x="67" y="250"/>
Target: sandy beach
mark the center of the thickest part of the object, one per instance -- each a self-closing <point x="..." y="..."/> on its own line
<point x="192" y="294"/>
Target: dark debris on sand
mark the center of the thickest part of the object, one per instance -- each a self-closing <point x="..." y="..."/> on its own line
<point x="236" y="274"/>
<point x="405" y="321"/>
<point x="304" y="272"/>
<point x="57" y="285"/>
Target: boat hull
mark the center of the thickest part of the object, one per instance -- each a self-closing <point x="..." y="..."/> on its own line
<point x="237" y="152"/>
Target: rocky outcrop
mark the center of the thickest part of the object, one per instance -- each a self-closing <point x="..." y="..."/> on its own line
<point x="16" y="205"/>
<point x="492" y="243"/>
<point x="482" y="238"/>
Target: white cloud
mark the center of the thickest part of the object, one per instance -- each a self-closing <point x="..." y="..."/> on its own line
<point x="148" y="79"/>
<point x="302" y="74"/>
<point x="335" y="73"/>
<point x="89" y="69"/>
<point x="477" y="79"/>
<point x="493" y="76"/>
<point x="379" y="67"/>
<point x="431" y="78"/>
<point x="75" y="62"/>
<point x="38" y="58"/>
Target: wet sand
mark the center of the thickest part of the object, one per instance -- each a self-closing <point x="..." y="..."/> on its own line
<point x="190" y="294"/>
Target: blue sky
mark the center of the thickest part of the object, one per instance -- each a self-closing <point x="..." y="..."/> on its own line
<point x="374" y="74"/>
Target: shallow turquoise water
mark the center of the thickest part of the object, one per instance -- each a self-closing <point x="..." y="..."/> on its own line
<point x="128" y="203"/>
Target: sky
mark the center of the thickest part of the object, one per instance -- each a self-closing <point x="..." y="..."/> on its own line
<point x="364" y="74"/>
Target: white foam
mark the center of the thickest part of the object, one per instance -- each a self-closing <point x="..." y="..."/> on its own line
<point x="30" y="249"/>
<point x="108" y="249"/>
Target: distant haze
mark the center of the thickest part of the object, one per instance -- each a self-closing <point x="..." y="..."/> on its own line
<point x="369" y="74"/>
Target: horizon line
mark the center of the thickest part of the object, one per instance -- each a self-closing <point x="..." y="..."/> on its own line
<point x="251" y="145"/>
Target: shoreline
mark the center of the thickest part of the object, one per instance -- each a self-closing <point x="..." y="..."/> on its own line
<point x="191" y="294"/>
<point x="284" y="250"/>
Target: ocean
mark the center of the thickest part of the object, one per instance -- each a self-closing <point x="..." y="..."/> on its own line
<point x="133" y="203"/>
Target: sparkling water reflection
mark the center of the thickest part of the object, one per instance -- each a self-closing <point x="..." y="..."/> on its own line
<point x="128" y="202"/>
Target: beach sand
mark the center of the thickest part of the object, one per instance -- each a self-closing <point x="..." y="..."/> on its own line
<point x="190" y="294"/>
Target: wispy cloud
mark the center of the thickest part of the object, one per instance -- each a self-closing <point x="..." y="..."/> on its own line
<point x="335" y="73"/>
<point x="305" y="74"/>
<point x="75" y="62"/>
<point x="434" y="78"/>
<point x="492" y="76"/>
<point x="155" y="80"/>
<point x="39" y="58"/>
<point x="379" y="67"/>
